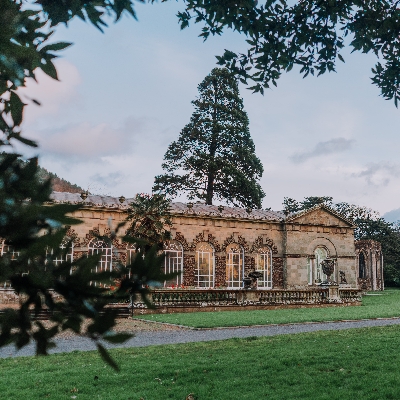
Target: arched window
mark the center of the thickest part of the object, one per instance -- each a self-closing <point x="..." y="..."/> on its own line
<point x="321" y="253"/>
<point x="264" y="265"/>
<point x="234" y="266"/>
<point x="173" y="262"/>
<point x="97" y="246"/>
<point x="362" y="271"/>
<point x="205" y="266"/>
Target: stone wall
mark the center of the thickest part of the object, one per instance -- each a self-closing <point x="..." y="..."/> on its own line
<point x="292" y="240"/>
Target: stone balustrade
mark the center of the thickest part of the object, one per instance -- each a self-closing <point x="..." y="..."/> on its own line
<point x="187" y="300"/>
<point x="193" y="299"/>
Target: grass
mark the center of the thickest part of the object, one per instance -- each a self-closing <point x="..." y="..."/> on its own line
<point x="350" y="364"/>
<point x="376" y="305"/>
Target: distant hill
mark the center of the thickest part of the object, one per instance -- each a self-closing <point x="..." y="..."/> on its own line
<point x="393" y="215"/>
<point x="58" y="184"/>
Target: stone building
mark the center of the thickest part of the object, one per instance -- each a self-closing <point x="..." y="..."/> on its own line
<point x="215" y="246"/>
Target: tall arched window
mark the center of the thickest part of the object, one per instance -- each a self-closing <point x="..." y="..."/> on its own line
<point x="362" y="271"/>
<point x="205" y="266"/>
<point x="97" y="246"/>
<point x="234" y="266"/>
<point x="264" y="265"/>
<point x="321" y="253"/>
<point x="173" y="262"/>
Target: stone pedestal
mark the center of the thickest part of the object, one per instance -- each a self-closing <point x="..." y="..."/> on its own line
<point x="333" y="294"/>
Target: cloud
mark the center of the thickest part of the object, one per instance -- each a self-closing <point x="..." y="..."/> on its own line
<point x="379" y="174"/>
<point x="85" y="141"/>
<point x="53" y="95"/>
<point x="337" y="145"/>
<point x="110" y="179"/>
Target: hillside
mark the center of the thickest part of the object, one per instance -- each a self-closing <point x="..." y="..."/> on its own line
<point x="58" y="184"/>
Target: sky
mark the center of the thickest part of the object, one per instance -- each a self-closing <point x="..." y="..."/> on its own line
<point x="125" y="95"/>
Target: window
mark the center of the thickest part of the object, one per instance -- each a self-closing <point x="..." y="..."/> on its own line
<point x="97" y="246"/>
<point x="362" y="271"/>
<point x="320" y="255"/>
<point x="131" y="252"/>
<point x="173" y="262"/>
<point x="264" y="265"/>
<point x="9" y="250"/>
<point x="234" y="266"/>
<point x="205" y="265"/>
<point x="63" y="255"/>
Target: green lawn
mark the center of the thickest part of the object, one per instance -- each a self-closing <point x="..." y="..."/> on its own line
<point x="350" y="364"/>
<point x="376" y="305"/>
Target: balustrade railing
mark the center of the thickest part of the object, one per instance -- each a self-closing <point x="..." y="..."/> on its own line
<point x="350" y="295"/>
<point x="220" y="297"/>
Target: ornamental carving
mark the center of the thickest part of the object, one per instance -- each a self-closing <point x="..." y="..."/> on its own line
<point x="72" y="236"/>
<point x="93" y="233"/>
<point x="260" y="243"/>
<point x="210" y="239"/>
<point x="118" y="245"/>
<point x="182" y="240"/>
<point x="277" y="273"/>
<point x="199" y="238"/>
<point x="243" y="243"/>
<point x="229" y="240"/>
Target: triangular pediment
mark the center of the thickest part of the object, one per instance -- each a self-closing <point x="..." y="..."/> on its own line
<point x="320" y="215"/>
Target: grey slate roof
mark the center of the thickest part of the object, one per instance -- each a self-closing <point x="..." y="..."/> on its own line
<point x="177" y="208"/>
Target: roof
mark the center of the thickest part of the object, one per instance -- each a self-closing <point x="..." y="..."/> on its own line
<point x="177" y="208"/>
<point x="294" y="216"/>
<point x="225" y="212"/>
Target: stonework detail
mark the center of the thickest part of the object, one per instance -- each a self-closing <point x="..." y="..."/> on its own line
<point x="249" y="265"/>
<point x="181" y="239"/>
<point x="189" y="266"/>
<point x="229" y="240"/>
<point x="220" y="271"/>
<point x="277" y="273"/>
<point x="214" y="242"/>
<point x="259" y="243"/>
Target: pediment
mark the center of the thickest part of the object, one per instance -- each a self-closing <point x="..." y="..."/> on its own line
<point x="320" y="215"/>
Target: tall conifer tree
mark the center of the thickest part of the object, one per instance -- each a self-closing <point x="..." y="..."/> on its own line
<point x="214" y="156"/>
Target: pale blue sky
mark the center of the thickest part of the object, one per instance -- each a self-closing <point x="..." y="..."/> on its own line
<point x="125" y="95"/>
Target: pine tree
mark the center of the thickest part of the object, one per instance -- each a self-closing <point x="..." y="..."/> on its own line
<point x="214" y="156"/>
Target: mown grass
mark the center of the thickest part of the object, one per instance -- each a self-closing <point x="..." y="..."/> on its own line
<point x="376" y="305"/>
<point x="350" y="364"/>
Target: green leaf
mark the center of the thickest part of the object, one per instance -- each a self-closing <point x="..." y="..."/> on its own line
<point x="56" y="46"/>
<point x="117" y="338"/>
<point x="49" y="69"/>
<point x="17" y="108"/>
<point x="106" y="357"/>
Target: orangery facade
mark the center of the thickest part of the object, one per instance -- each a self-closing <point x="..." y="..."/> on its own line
<point x="218" y="247"/>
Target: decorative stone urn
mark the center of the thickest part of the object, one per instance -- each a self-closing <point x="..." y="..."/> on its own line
<point x="328" y="267"/>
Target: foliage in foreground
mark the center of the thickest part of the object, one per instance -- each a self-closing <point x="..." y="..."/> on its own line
<point x="376" y="305"/>
<point x="214" y="156"/>
<point x="32" y="232"/>
<point x="349" y="364"/>
<point x="149" y="220"/>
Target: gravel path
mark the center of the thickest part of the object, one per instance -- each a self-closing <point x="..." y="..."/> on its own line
<point x="159" y="334"/>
